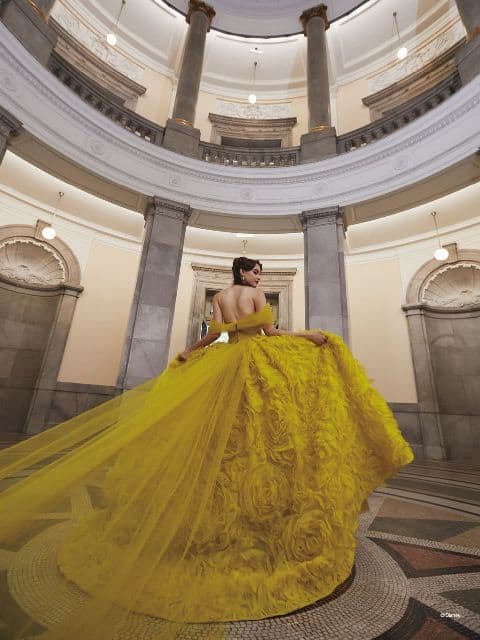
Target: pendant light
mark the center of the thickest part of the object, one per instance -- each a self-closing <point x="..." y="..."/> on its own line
<point x="441" y="253"/>
<point x="111" y="36"/>
<point x="49" y="231"/>
<point x="402" y="52"/>
<point x="252" y="98"/>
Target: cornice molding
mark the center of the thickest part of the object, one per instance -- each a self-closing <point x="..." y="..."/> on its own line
<point x="58" y="118"/>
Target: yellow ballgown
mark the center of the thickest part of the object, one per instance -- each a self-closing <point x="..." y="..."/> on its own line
<point x="229" y="488"/>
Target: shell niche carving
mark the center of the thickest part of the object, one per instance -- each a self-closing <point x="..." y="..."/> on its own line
<point x="30" y="263"/>
<point x="455" y="286"/>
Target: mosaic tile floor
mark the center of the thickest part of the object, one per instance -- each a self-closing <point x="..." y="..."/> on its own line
<point x="417" y="570"/>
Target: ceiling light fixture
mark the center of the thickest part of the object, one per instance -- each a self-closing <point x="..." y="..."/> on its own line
<point x="402" y="52"/>
<point x="111" y="37"/>
<point x="252" y="98"/>
<point x="49" y="232"/>
<point x="441" y="253"/>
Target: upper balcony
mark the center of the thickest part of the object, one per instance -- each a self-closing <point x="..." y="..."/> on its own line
<point x="91" y="111"/>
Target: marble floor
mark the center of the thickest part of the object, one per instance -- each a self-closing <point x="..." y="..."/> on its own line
<point x="417" y="571"/>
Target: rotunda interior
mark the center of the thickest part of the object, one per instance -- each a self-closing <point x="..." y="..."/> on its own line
<point x="144" y="144"/>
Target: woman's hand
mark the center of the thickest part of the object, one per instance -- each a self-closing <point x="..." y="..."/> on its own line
<point x="317" y="338"/>
<point x="182" y="357"/>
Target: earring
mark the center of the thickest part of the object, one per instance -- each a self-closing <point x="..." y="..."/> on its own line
<point x="243" y="278"/>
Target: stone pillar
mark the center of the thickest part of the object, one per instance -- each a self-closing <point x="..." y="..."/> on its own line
<point x="325" y="288"/>
<point x="180" y="134"/>
<point x="9" y="127"/>
<point x="469" y="11"/>
<point x="468" y="56"/>
<point x="428" y="410"/>
<point x="148" y="335"/>
<point x="27" y="20"/>
<point x="46" y="383"/>
<point x="320" y="142"/>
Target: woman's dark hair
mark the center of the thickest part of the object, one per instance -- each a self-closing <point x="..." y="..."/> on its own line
<point x="247" y="264"/>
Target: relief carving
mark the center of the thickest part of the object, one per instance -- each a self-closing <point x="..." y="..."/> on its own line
<point x="417" y="59"/>
<point x="455" y="286"/>
<point x="30" y="263"/>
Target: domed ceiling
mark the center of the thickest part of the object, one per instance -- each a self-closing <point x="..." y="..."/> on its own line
<point x="266" y="18"/>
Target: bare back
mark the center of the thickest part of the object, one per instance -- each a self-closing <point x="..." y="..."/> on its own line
<point x="236" y="302"/>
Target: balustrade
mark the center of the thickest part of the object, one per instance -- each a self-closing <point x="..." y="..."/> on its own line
<point x="104" y="101"/>
<point x="236" y="157"/>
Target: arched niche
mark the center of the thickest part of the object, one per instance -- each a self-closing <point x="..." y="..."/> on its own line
<point x="39" y="287"/>
<point x="443" y="314"/>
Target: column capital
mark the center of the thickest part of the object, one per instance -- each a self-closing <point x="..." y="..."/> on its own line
<point x="198" y="5"/>
<point x="322" y="217"/>
<point x="162" y="207"/>
<point x="9" y="125"/>
<point x="320" y="10"/>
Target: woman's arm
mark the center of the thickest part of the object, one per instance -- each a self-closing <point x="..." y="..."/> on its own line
<point x="209" y="338"/>
<point x="317" y="337"/>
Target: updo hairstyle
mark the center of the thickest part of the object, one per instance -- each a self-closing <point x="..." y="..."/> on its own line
<point x="247" y="264"/>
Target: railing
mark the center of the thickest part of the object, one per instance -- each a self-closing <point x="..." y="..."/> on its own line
<point x="400" y="116"/>
<point x="101" y="99"/>
<point x="237" y="157"/>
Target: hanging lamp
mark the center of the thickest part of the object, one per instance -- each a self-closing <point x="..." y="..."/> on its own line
<point x="252" y="98"/>
<point x="111" y="36"/>
<point x="49" y="232"/>
<point x="441" y="253"/>
<point x="402" y="51"/>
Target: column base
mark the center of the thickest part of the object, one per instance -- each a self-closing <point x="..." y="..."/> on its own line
<point x="182" y="139"/>
<point x="317" y="145"/>
<point x="30" y="28"/>
<point x="468" y="60"/>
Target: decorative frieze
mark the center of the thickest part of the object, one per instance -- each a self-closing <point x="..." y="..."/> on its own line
<point x="257" y="111"/>
<point x="96" y="44"/>
<point x="417" y="59"/>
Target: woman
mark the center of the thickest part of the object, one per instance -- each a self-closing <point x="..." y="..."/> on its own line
<point x="228" y="488"/>
<point x="242" y="299"/>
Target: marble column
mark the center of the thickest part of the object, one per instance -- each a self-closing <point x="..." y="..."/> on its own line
<point x="325" y="288"/>
<point x="468" y="56"/>
<point x="148" y="335"/>
<point x="320" y="141"/>
<point x="9" y="127"/>
<point x="28" y="21"/>
<point x="180" y="135"/>
<point x="469" y="11"/>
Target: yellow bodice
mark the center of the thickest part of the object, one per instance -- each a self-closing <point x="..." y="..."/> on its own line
<point x="246" y="327"/>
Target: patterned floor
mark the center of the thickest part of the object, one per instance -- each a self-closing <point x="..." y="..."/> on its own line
<point x="417" y="571"/>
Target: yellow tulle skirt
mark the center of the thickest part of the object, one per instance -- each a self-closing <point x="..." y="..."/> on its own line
<point x="229" y="488"/>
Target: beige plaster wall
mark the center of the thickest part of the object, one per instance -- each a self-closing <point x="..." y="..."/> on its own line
<point x="155" y="102"/>
<point x="205" y="105"/>
<point x="378" y="328"/>
<point x="350" y="111"/>
<point x="94" y="346"/>
<point x="299" y="108"/>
